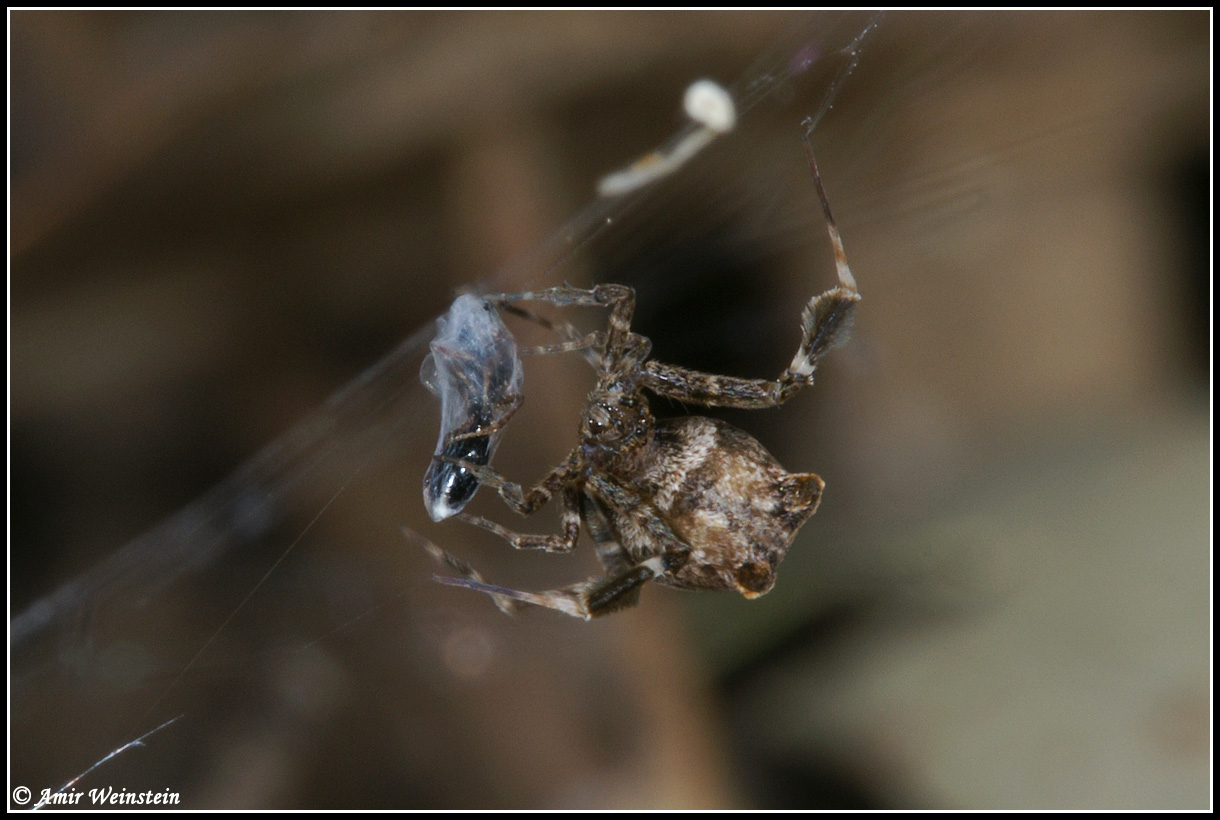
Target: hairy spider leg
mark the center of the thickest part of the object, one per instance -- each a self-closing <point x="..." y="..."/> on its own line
<point x="823" y="321"/>
<point x="523" y="501"/>
<point x="846" y="279"/>
<point x="443" y="556"/>
<point x="573" y="342"/>
<point x="609" y="551"/>
<point x="570" y="522"/>
<point x="619" y="298"/>
<point x="587" y="600"/>
<point x="598" y="596"/>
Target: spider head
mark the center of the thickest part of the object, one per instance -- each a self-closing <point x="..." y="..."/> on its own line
<point x="616" y="419"/>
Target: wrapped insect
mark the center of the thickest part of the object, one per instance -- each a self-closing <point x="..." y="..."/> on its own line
<point x="475" y="370"/>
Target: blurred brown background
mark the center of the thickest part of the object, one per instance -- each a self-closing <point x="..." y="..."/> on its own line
<point x="220" y="219"/>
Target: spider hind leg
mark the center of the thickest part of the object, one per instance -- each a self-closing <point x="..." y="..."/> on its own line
<point x="505" y="603"/>
<point x="549" y="543"/>
<point x="587" y="600"/>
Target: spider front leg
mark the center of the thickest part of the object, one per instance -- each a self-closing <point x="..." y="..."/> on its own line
<point x="549" y="543"/>
<point x="590" y="599"/>
<point x="573" y="342"/>
<point x="823" y="322"/>
<point x="524" y="502"/>
<point x="619" y="298"/>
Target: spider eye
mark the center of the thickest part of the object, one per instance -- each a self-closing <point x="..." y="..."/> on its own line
<point x="604" y="424"/>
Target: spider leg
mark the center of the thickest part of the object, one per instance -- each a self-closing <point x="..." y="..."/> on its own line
<point x="563" y="329"/>
<point x="609" y="551"/>
<point x="626" y="504"/>
<point x="549" y="543"/>
<point x="846" y="280"/>
<point x="523" y="501"/>
<point x="823" y="322"/>
<point x="606" y="295"/>
<point x="573" y="339"/>
<point x="585" y="345"/>
<point x="443" y="556"/>
<point x="619" y="298"/>
<point x="599" y="596"/>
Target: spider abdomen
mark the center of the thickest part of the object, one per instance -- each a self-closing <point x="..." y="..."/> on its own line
<point x="725" y="497"/>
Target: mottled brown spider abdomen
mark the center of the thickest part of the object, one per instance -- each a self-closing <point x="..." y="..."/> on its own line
<point x="727" y="498"/>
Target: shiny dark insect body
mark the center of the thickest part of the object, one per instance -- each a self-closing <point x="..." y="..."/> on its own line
<point x="689" y="502"/>
<point x="474" y="369"/>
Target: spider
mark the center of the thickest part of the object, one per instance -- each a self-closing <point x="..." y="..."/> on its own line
<point x="689" y="502"/>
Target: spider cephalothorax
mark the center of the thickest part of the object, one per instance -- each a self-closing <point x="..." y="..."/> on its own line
<point x="689" y="502"/>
